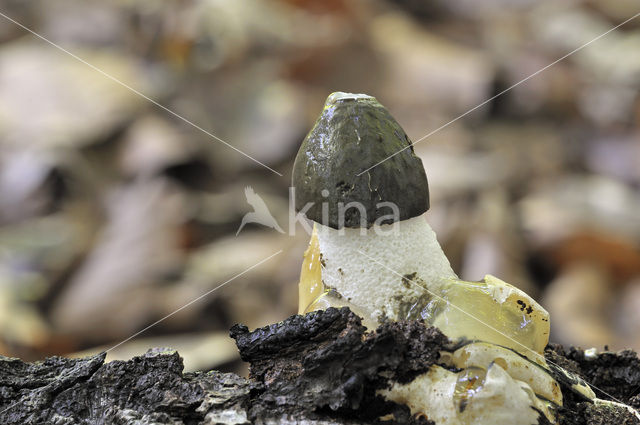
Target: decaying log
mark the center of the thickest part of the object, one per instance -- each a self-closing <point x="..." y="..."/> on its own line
<point x="317" y="369"/>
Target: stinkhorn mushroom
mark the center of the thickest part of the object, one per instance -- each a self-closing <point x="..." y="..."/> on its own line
<point x="372" y="250"/>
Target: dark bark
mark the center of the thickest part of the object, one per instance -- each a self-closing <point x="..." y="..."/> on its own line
<point x="144" y="390"/>
<point x="318" y="368"/>
<point x="322" y="365"/>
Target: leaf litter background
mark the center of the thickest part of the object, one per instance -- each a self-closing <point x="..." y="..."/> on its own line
<point x="114" y="213"/>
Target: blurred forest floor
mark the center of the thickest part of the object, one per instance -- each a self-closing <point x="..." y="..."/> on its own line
<point x="115" y="213"/>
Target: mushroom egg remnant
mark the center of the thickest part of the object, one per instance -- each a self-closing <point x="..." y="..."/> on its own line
<point x="372" y="250"/>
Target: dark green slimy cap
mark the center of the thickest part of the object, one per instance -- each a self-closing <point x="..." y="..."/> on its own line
<point x="353" y="133"/>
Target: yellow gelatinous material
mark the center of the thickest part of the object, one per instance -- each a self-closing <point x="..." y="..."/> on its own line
<point x="491" y="310"/>
<point x="502" y="315"/>
<point x="470" y="382"/>
<point x="482" y="355"/>
<point x="310" y="287"/>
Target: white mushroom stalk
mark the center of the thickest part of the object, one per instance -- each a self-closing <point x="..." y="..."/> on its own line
<point x="373" y="250"/>
<point x="410" y="249"/>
